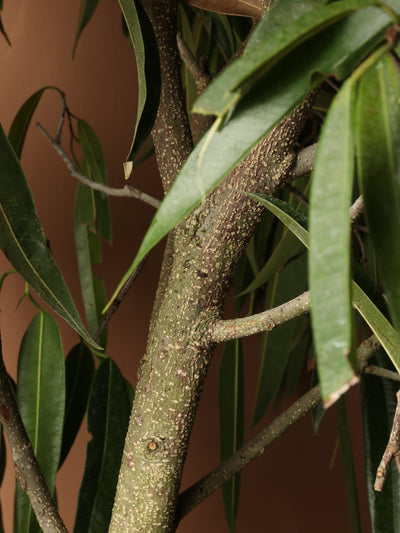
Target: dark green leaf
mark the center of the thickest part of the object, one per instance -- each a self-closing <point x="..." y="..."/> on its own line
<point x="41" y="401"/>
<point x="231" y="409"/>
<point x="276" y="344"/>
<point x="378" y="140"/>
<point x="299" y="351"/>
<point x="79" y="370"/>
<point x="23" y="241"/>
<point x="338" y="49"/>
<point x="348" y="465"/>
<point x="2" y="456"/>
<point x="20" y="124"/>
<point x="261" y="55"/>
<point x="378" y="406"/>
<point x="384" y="331"/>
<point x="88" y="7"/>
<point x="108" y="416"/>
<point x="329" y="259"/>
<point x="148" y="66"/>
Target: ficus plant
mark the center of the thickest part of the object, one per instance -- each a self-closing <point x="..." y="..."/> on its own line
<point x="276" y="130"/>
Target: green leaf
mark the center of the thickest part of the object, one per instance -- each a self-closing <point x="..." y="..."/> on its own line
<point x="23" y="242"/>
<point x="330" y="258"/>
<point x="336" y="50"/>
<point x="79" y="370"/>
<point x="22" y="120"/>
<point x="384" y="331"/>
<point x="261" y="55"/>
<point x="378" y="140"/>
<point x="348" y="465"/>
<point x="378" y="407"/>
<point x="41" y="401"/>
<point x="149" y="71"/>
<point x="88" y="7"/>
<point x="92" y="219"/>
<point x="108" y="417"/>
<point x="276" y="344"/>
<point x="231" y="420"/>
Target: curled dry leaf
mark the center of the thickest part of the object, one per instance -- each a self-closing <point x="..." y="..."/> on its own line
<point x="244" y="8"/>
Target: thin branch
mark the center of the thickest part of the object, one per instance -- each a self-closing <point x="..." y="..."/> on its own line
<point x="125" y="192"/>
<point x="225" y="330"/>
<point x="381" y="372"/>
<point x="27" y="470"/>
<point x="356" y="209"/>
<point x="304" y="161"/>
<point x="120" y="296"/>
<point x="392" y="450"/>
<point x="198" y="492"/>
<point x="201" y="78"/>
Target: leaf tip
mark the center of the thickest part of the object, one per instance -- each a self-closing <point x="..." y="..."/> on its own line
<point x="334" y="396"/>
<point x="128" y="166"/>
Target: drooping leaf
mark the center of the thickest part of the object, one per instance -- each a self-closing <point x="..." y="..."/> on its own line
<point x="88" y="7"/>
<point x="231" y="421"/>
<point x="378" y="140"/>
<point x="23" y="242"/>
<point x="299" y="351"/>
<point x="148" y="66"/>
<point x="41" y="401"/>
<point x="382" y="328"/>
<point x="92" y="219"/>
<point x="20" y="124"/>
<point x="276" y="344"/>
<point x="348" y="465"/>
<point x="236" y="79"/>
<point x="338" y="49"/>
<point x="329" y="258"/>
<point x="108" y="416"/>
<point x="79" y="370"/>
<point x="378" y="407"/>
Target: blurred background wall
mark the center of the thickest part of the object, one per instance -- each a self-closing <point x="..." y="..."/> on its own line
<point x="291" y="488"/>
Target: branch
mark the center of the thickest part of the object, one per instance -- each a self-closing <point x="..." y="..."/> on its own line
<point x="198" y="492"/>
<point x="381" y="372"/>
<point x="125" y="192"/>
<point x="201" y="78"/>
<point x="304" y="161"/>
<point x="225" y="330"/>
<point x="392" y="450"/>
<point x="27" y="470"/>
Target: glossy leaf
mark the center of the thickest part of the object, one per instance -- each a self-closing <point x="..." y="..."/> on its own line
<point x="378" y="140"/>
<point x="336" y="50"/>
<point x="261" y="55"/>
<point x="329" y="258"/>
<point x="23" y="241"/>
<point x="41" y="377"/>
<point x="231" y="421"/>
<point x="108" y="416"/>
<point x="22" y="120"/>
<point x="348" y="465"/>
<point x="276" y="344"/>
<point x="148" y="66"/>
<point x="378" y="407"/>
<point x="382" y="328"/>
<point x="92" y="219"/>
<point x="79" y="370"/>
<point x="88" y="7"/>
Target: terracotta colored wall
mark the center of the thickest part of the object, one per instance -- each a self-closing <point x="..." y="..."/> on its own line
<point x="290" y="489"/>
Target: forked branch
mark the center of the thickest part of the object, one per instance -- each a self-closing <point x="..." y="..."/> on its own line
<point x="392" y="450"/>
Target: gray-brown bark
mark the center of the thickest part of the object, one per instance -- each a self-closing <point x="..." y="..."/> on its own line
<point x="202" y="254"/>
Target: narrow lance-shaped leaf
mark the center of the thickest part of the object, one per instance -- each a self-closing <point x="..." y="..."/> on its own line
<point x="378" y="406"/>
<point x="41" y="401"/>
<point x="231" y="399"/>
<point x="224" y="92"/>
<point x="22" y="120"/>
<point x="382" y="328"/>
<point x="270" y="99"/>
<point x="92" y="219"/>
<point x="23" y="242"/>
<point x="378" y="141"/>
<point x="329" y="258"/>
<point x="79" y="370"/>
<point x="108" y="417"/>
<point x="88" y="7"/>
<point x="148" y="66"/>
